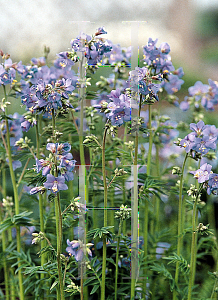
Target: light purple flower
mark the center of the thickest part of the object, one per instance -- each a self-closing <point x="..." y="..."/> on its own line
<point x="203" y="173"/>
<point x="78" y="249"/>
<point x="204" y="144"/>
<point x="188" y="142"/>
<point x="120" y="110"/>
<point x="55" y="184"/>
<point x="212" y="184"/>
<point x="198" y="128"/>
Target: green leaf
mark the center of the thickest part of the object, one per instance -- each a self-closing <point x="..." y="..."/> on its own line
<point x="53" y="285"/>
<point x="20" y="219"/>
<point x="98" y="232"/>
<point x="94" y="289"/>
<point x="162" y="270"/>
<point x="183" y="264"/>
<point x="87" y="282"/>
<point x="6" y="224"/>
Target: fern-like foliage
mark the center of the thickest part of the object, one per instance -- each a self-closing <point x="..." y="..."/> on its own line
<point x="161" y="269"/>
<point x="183" y="264"/>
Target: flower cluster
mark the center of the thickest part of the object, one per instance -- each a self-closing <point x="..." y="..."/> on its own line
<point x="158" y="60"/>
<point x="141" y="81"/>
<point x="59" y="159"/>
<point x="207" y="177"/>
<point x="8" y="70"/>
<point x="204" y="95"/>
<point x="43" y="89"/>
<point x="78" y="249"/>
<point x="201" y="139"/>
<point x="118" y="57"/>
<point x="120" y="108"/>
<point x="118" y="111"/>
<point x="92" y="47"/>
<point x="43" y="97"/>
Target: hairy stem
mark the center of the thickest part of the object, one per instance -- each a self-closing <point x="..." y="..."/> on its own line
<point x="58" y="218"/>
<point x="4" y="242"/>
<point x="117" y="258"/>
<point x="135" y="213"/>
<point x="16" y="199"/>
<point x="41" y="208"/>
<point x="180" y="226"/>
<point x="105" y="216"/>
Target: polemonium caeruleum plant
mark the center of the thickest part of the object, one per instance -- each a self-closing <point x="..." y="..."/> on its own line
<point x="81" y="156"/>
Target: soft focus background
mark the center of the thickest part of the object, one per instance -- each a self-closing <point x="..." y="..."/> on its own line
<point x="189" y="26"/>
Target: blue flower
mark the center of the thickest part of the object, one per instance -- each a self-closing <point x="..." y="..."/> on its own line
<point x="212" y="186"/>
<point x="198" y="128"/>
<point x="173" y="84"/>
<point x="55" y="184"/>
<point x="203" y="174"/>
<point x="44" y="165"/>
<point x="120" y="109"/>
<point x="78" y="249"/>
<point x="188" y="142"/>
<point x="204" y="144"/>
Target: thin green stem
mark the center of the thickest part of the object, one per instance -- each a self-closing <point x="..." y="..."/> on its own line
<point x="135" y="211"/>
<point x="105" y="215"/>
<point x="82" y="95"/>
<point x="193" y="251"/>
<point x="157" y="200"/>
<point x="150" y="142"/>
<point x="41" y="208"/>
<point x="123" y="180"/>
<point x="117" y="258"/>
<point x="59" y="244"/>
<point x="82" y="90"/>
<point x="180" y="237"/>
<point x="196" y="222"/>
<point x="58" y="218"/>
<point x="4" y="241"/>
<point x="16" y="199"/>
<point x="145" y="228"/>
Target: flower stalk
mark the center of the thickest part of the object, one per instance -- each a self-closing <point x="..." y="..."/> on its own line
<point x="180" y="226"/>
<point x="193" y="245"/>
<point x="58" y="219"/>
<point x="16" y="199"/>
<point x="135" y="211"/>
<point x="105" y="215"/>
<point x="4" y="242"/>
<point x="41" y="207"/>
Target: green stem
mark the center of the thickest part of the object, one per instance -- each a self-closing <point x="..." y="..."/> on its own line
<point x="135" y="212"/>
<point x="145" y="228"/>
<point x="105" y="215"/>
<point x="193" y="251"/>
<point x="117" y="258"/>
<point x="4" y="243"/>
<point x="82" y="90"/>
<point x="196" y="222"/>
<point x="180" y="226"/>
<point x="150" y="142"/>
<point x="58" y="218"/>
<point x="16" y="199"/>
<point x="123" y="180"/>
<point x="157" y="200"/>
<point x="41" y="208"/>
<point x="82" y="95"/>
